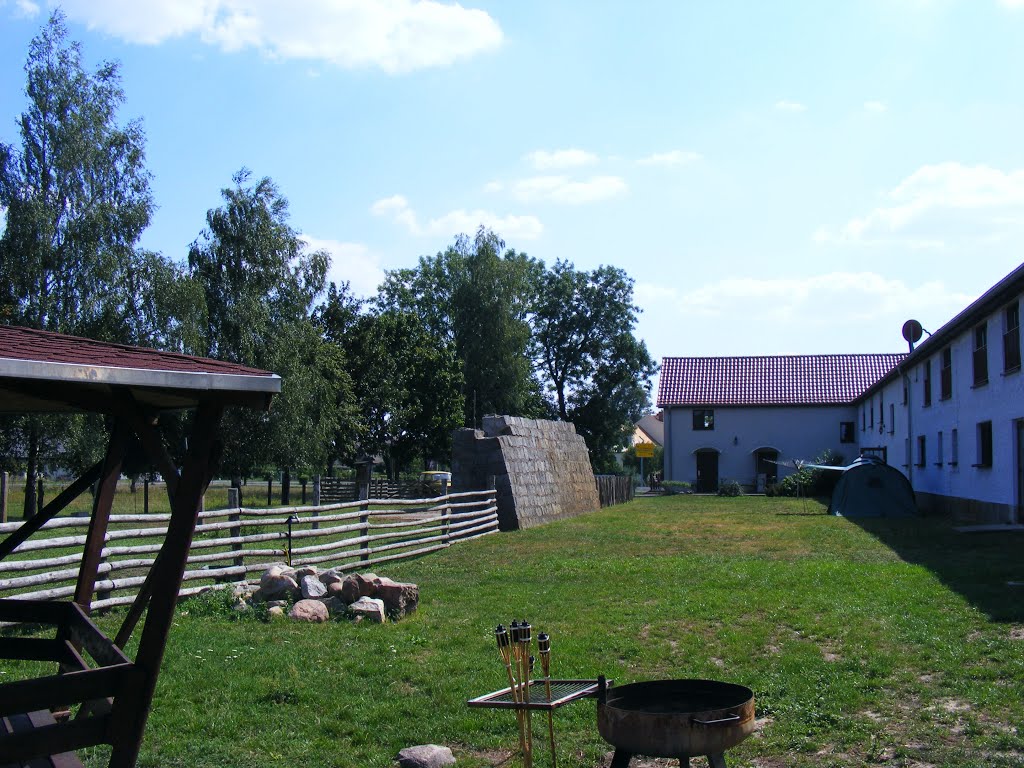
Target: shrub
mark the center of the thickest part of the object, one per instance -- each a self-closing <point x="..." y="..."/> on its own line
<point x="729" y="488"/>
<point x="810" y="482"/>
<point x="676" y="486"/>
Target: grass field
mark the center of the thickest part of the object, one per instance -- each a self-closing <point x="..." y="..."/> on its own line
<point x="895" y="643"/>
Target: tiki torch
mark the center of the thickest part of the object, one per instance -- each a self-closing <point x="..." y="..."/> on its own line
<point x="506" y="648"/>
<point x="544" y="647"/>
<point x="526" y="637"/>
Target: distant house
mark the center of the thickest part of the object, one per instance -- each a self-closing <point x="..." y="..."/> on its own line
<point x="734" y="417"/>
<point x="650" y="429"/>
<point x="950" y="415"/>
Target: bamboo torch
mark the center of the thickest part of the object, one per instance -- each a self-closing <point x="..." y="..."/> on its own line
<point x="544" y="647"/>
<point x="527" y="638"/>
<point x="506" y="649"/>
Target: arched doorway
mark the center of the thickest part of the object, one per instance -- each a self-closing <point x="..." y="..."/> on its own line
<point x="766" y="471"/>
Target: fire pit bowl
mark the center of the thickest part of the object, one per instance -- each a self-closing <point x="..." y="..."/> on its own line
<point x="675" y="718"/>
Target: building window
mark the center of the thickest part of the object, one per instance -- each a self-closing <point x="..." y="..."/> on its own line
<point x="1011" y="338"/>
<point x="927" y="383"/>
<point x="863" y="418"/>
<point x="946" y="375"/>
<point x="906" y="395"/>
<point x="906" y="452"/>
<point x="954" y="448"/>
<point x="984" y="444"/>
<point x="871" y="415"/>
<point x="703" y="419"/>
<point x="981" y="355"/>
<point x="845" y="431"/>
<point x="920" y="451"/>
<point x="938" y="450"/>
<point x="881" y="412"/>
<point x="892" y="419"/>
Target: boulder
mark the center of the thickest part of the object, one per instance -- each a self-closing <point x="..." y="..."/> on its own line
<point x="367" y="584"/>
<point x="426" y="756"/>
<point x="309" y="610"/>
<point x="369" y="609"/>
<point x="399" y="598"/>
<point x="349" y="591"/>
<point x="331" y="577"/>
<point x="311" y="587"/>
<point x="304" y="571"/>
<point x="275" y="610"/>
<point x="277" y="583"/>
<point x="337" y="589"/>
<point x="335" y="605"/>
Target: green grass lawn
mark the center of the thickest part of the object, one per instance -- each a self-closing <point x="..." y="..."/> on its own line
<point x="892" y="643"/>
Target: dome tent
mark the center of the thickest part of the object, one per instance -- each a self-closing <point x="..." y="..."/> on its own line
<point x="871" y="488"/>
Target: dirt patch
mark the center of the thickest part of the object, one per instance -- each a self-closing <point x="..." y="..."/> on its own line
<point x="718" y="662"/>
<point x="927" y="678"/>
<point x="1017" y="633"/>
<point x="493" y="757"/>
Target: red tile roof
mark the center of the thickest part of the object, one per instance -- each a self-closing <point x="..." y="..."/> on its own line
<point x="18" y="343"/>
<point x="783" y="380"/>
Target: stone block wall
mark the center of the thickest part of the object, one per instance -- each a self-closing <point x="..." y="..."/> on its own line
<point x="540" y="469"/>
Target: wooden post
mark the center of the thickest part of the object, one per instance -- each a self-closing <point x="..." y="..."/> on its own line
<point x="364" y="530"/>
<point x="39" y="496"/>
<point x="316" y="490"/>
<point x="3" y="497"/>
<point x="304" y="491"/>
<point x="270" y="491"/>
<point x="236" y="530"/>
<point x="145" y="496"/>
<point x="101" y="507"/>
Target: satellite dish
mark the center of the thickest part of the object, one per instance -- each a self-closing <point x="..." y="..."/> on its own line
<point x="912" y="331"/>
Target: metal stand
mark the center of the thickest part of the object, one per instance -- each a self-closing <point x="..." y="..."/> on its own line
<point x="622" y="759"/>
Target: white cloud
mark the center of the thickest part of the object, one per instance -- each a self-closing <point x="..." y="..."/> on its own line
<point x="1012" y="3"/>
<point x="675" y="157"/>
<point x="874" y="106"/>
<point x="835" y="298"/>
<point x="25" y="8"/>
<point x="941" y="202"/>
<point x="790" y="106"/>
<point x="352" y="263"/>
<point x="393" y="35"/>
<point x="561" y="189"/>
<point x="510" y="227"/>
<point x="543" y="160"/>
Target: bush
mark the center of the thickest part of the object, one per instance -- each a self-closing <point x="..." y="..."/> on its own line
<point x="729" y="488"/>
<point x="810" y="482"/>
<point x="673" y="487"/>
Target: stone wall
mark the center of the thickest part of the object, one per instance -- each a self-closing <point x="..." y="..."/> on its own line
<point x="540" y="469"/>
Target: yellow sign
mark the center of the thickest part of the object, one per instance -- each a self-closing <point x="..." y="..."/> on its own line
<point x="645" y="450"/>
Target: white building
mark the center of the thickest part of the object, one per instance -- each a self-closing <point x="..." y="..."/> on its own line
<point x="950" y="414"/>
<point x="734" y="417"/>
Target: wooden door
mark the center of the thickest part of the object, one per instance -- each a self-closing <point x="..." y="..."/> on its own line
<point x="707" y="471"/>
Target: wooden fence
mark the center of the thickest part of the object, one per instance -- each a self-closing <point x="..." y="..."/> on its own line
<point x="614" y="489"/>
<point x="334" y="490"/>
<point x="230" y="545"/>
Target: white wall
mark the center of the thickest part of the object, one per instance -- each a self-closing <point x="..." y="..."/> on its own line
<point x="1001" y="401"/>
<point x="796" y="432"/>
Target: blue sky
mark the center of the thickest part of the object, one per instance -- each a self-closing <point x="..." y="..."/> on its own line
<point x="778" y="178"/>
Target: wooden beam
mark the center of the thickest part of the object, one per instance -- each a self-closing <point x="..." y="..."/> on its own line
<point x="131" y="711"/>
<point x="101" y="513"/>
<point x="32" y="649"/>
<point x="87" y="635"/>
<point x="55" y="738"/>
<point x="32" y="611"/>
<point x="153" y="444"/>
<point x="51" y="510"/>
<point x="138" y="607"/>
<point x="61" y="690"/>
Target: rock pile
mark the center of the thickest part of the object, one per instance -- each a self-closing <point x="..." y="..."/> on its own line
<point x="316" y="596"/>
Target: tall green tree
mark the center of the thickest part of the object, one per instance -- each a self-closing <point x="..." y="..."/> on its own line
<point x="407" y="382"/>
<point x="258" y="284"/>
<point x="77" y="198"/>
<point x="477" y="295"/>
<point x="597" y="372"/>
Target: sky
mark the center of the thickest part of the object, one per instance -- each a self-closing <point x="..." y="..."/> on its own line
<point x="793" y="177"/>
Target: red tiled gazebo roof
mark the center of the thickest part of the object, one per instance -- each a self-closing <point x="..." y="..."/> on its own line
<point x="778" y="380"/>
<point x="162" y="379"/>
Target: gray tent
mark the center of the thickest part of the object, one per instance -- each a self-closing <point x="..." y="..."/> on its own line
<point x="871" y="488"/>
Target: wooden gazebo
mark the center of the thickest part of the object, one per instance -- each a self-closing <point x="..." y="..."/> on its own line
<point x="102" y="696"/>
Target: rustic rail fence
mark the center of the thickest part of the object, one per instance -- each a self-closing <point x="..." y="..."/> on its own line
<point x="334" y="490"/>
<point x="231" y="544"/>
<point x="614" y="489"/>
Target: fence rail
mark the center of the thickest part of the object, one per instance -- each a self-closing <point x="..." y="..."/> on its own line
<point x="230" y="544"/>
